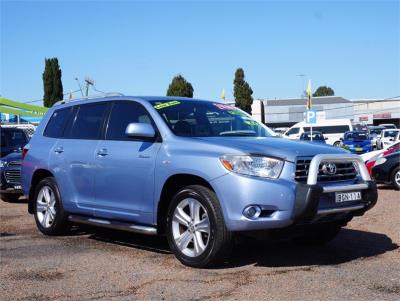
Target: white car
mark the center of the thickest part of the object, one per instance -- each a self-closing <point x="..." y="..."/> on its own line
<point x="387" y="138"/>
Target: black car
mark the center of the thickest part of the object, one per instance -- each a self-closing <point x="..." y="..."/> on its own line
<point x="12" y="142"/>
<point x="387" y="170"/>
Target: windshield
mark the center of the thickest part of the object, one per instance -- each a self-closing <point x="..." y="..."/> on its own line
<point x="375" y="131"/>
<point x="391" y="134"/>
<point x="13" y="139"/>
<point x="191" y="118"/>
<point x="356" y="136"/>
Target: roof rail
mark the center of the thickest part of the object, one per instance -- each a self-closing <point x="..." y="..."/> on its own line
<point x="108" y="94"/>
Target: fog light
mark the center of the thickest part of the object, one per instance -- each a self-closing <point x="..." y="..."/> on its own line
<point x="252" y="212"/>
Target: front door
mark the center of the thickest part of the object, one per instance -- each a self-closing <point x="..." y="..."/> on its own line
<point x="124" y="178"/>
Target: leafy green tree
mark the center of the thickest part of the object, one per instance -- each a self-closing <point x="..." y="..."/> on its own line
<point x="52" y="85"/>
<point x="324" y="91"/>
<point x="242" y="92"/>
<point x="180" y="87"/>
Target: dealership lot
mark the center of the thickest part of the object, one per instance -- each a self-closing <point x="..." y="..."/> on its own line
<point x="362" y="263"/>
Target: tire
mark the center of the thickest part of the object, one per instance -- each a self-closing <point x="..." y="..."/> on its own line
<point x="395" y="178"/>
<point x="10" y="197"/>
<point x="50" y="217"/>
<point x="199" y="246"/>
<point x="337" y="144"/>
<point x="319" y="234"/>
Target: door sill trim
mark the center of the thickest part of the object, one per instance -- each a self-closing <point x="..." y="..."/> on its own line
<point x="111" y="224"/>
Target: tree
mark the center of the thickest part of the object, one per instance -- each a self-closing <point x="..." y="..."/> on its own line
<point x="324" y="91"/>
<point x="242" y="92"/>
<point x="180" y="87"/>
<point x="52" y="85"/>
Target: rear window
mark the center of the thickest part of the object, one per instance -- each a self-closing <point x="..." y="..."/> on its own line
<point x="88" y="122"/>
<point x="335" y="129"/>
<point x="55" y="127"/>
<point x="13" y="138"/>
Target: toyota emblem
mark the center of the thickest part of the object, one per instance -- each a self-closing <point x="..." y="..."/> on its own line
<point x="329" y="169"/>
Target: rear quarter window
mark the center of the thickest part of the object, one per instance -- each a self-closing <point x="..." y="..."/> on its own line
<point x="56" y="124"/>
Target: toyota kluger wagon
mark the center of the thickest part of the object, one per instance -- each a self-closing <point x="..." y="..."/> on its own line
<point x="197" y="171"/>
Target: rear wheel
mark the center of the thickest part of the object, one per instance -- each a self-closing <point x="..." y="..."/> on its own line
<point x="196" y="229"/>
<point x="337" y="144"/>
<point x="395" y="179"/>
<point x="50" y="217"/>
<point x="319" y="234"/>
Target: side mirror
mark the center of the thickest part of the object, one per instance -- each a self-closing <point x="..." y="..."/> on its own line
<point x="140" y="130"/>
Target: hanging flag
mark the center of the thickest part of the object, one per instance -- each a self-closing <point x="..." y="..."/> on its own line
<point x="223" y="94"/>
<point x="309" y="103"/>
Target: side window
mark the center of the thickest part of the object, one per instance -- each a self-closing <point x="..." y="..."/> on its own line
<point x="293" y="131"/>
<point x="88" y="121"/>
<point x="55" y="126"/>
<point x="122" y="114"/>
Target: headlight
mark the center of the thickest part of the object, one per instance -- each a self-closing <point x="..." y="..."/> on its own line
<point x="253" y="165"/>
<point x="3" y="163"/>
<point x="380" y="161"/>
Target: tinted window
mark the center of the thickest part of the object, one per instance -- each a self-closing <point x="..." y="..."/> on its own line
<point x="88" y="121"/>
<point x="122" y="114"/>
<point x="356" y="136"/>
<point x="336" y="129"/>
<point x="293" y="131"/>
<point x="13" y="138"/>
<point x="56" y="123"/>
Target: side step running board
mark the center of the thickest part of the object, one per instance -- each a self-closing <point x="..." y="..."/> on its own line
<point x="113" y="224"/>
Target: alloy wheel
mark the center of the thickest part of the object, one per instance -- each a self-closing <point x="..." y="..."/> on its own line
<point x="191" y="227"/>
<point x="45" y="207"/>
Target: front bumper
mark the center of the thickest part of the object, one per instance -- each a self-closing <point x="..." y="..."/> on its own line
<point x="287" y="202"/>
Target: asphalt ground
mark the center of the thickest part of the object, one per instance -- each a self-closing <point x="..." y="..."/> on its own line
<point x="362" y="263"/>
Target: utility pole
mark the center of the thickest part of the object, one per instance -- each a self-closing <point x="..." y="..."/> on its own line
<point x="89" y="82"/>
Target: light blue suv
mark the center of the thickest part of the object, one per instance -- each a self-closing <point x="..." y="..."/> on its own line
<point x="198" y="171"/>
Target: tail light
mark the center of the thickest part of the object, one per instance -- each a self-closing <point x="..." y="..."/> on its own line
<point x="25" y="151"/>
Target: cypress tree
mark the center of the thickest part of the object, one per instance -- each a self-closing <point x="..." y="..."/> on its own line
<point x="52" y="84"/>
<point x="242" y="92"/>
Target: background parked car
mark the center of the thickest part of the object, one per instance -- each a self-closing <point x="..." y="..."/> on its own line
<point x="387" y="170"/>
<point x="387" y="138"/>
<point x="357" y="142"/>
<point x="374" y="133"/>
<point x="12" y="142"/>
<point x="317" y="137"/>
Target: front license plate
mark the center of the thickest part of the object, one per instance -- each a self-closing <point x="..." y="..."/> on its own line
<point x="347" y="196"/>
<point x="359" y="149"/>
<point x="18" y="187"/>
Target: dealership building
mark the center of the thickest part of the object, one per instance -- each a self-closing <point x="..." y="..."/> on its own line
<point x="286" y="112"/>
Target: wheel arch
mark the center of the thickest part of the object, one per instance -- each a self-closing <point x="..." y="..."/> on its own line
<point x="171" y="186"/>
<point x="37" y="176"/>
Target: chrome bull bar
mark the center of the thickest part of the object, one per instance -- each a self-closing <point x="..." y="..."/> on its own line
<point x="313" y="171"/>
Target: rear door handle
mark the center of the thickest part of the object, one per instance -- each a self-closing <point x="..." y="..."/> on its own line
<point x="59" y="150"/>
<point x="102" y="152"/>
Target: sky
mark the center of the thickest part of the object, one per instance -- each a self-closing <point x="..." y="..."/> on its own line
<point x="137" y="47"/>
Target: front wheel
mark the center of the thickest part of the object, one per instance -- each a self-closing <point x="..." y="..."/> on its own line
<point x="396" y="179"/>
<point x="196" y="230"/>
<point x="337" y="144"/>
<point x="50" y="217"/>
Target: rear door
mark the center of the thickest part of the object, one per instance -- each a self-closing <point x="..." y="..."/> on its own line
<point x="124" y="173"/>
<point x="73" y="155"/>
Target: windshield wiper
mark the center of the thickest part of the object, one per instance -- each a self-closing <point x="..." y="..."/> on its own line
<point x="238" y="133"/>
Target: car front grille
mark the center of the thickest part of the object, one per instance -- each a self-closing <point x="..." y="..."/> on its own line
<point x="344" y="171"/>
<point x="14" y="163"/>
<point x="13" y="176"/>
